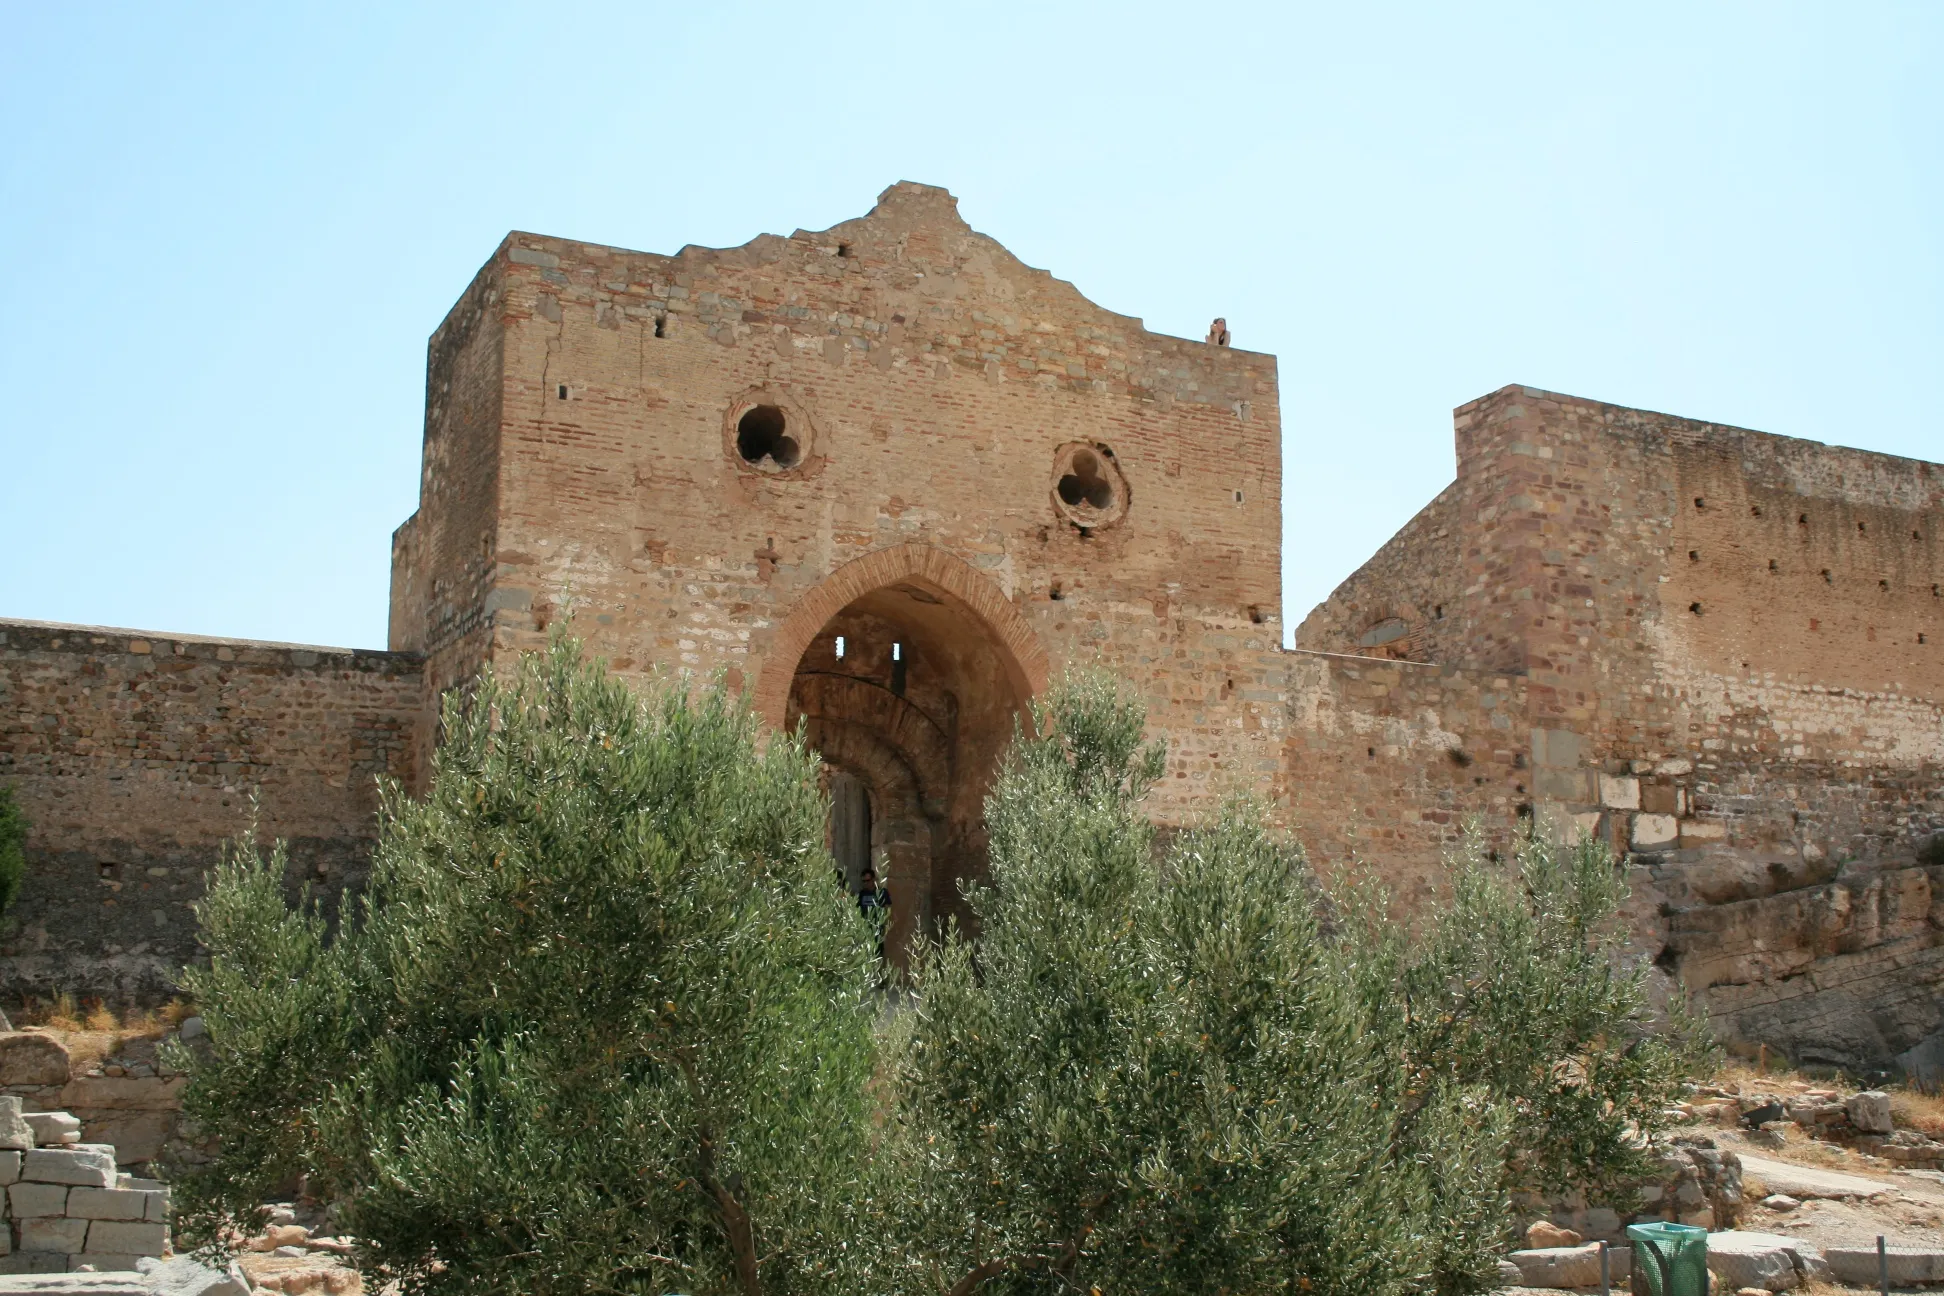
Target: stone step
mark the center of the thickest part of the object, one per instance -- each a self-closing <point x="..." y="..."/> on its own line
<point x="1857" y="1265"/>
<point x="1804" y="1182"/>
<point x="1769" y="1261"/>
<point x="1563" y="1268"/>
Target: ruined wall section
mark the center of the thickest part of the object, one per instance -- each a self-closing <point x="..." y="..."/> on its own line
<point x="135" y="756"/>
<point x="1409" y="602"/>
<point x="1759" y="738"/>
<point x="933" y="381"/>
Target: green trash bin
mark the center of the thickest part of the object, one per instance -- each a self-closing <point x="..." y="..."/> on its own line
<point x="1669" y="1259"/>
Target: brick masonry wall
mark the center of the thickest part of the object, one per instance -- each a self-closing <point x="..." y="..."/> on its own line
<point x="932" y="380"/>
<point x="1729" y="647"/>
<point x="1386" y="762"/>
<point x="443" y="555"/>
<point x="135" y="756"/>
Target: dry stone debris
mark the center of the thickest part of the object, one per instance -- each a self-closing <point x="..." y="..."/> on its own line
<point x="1766" y="1260"/>
<point x="1544" y="1234"/>
<point x="16" y="1132"/>
<point x="1909" y="1266"/>
<point x="1869" y="1112"/>
<point x="53" y="1127"/>
<point x="30" y="1058"/>
<point x="68" y="1206"/>
<point x="1568" y="1267"/>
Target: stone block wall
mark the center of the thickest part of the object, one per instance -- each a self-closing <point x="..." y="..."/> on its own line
<point x="135" y="756"/>
<point x="67" y="1205"/>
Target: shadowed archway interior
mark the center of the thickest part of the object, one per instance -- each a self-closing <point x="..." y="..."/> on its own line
<point x="909" y="697"/>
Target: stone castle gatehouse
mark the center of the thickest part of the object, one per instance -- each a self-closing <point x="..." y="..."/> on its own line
<point x="889" y="479"/>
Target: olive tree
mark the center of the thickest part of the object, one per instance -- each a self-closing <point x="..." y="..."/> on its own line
<point x="601" y="1021"/>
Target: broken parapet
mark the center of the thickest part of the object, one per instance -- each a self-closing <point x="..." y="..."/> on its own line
<point x="67" y="1206"/>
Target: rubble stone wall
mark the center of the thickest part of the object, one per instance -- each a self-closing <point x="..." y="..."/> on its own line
<point x="135" y="756"/>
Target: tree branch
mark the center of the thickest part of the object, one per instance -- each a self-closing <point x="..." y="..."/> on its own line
<point x="736" y="1225"/>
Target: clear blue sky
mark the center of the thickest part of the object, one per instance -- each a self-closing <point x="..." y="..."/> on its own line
<point x="229" y="230"/>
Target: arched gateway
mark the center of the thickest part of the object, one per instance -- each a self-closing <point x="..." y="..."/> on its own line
<point x="907" y="668"/>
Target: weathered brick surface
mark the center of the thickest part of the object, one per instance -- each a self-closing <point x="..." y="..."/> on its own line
<point x="135" y="755"/>
<point x="933" y="384"/>
<point x="1739" y="634"/>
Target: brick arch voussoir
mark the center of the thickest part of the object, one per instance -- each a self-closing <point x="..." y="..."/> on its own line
<point x="865" y="753"/>
<point x="1025" y="659"/>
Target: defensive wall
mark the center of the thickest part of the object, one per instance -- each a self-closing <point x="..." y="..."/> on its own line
<point x="136" y="756"/>
<point x="891" y="481"/>
<point x="1730" y="647"/>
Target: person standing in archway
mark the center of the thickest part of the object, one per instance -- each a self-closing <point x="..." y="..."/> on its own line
<point x="874" y="902"/>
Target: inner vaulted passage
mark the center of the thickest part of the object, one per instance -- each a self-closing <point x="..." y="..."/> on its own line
<point x="909" y="696"/>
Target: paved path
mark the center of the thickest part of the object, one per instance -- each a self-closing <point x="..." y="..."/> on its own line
<point x="1807" y="1181"/>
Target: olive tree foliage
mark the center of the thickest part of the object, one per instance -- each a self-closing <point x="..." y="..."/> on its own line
<point x="1217" y="1075"/>
<point x="600" y="1021"/>
<point x="1165" y="1079"/>
<point x="1521" y="983"/>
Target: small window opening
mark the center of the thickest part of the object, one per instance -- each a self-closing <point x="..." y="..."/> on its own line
<point x="898" y="666"/>
<point x="1238" y="497"/>
<point x="1437" y="613"/>
<point x="1056" y="593"/>
<point x="1803" y="520"/>
<point x="1699" y="502"/>
<point x="840" y="647"/>
<point x="661" y="326"/>
<point x="1371" y="752"/>
<point x="1695" y="608"/>
<point x="1086" y="483"/>
<point x="897" y="652"/>
<point x="1920" y="638"/>
<point x="1826" y="577"/>
<point x="563" y="391"/>
<point x="1883" y="584"/>
<point x="1255" y="614"/>
<point x="1755" y="511"/>
<point x="1861" y="527"/>
<point x="844" y="250"/>
<point x="762" y="434"/>
<point x="1772" y="566"/>
<point x="1694" y="555"/>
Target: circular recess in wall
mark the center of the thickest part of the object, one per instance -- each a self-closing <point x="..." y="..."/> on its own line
<point x="1088" y="488"/>
<point x="767" y="432"/>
